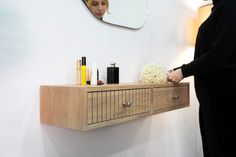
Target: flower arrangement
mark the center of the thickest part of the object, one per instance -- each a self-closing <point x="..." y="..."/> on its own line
<point x="152" y="73"/>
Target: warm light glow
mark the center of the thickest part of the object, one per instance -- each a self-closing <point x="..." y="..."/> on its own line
<point x="203" y="12"/>
<point x="193" y="24"/>
<point x="191" y="31"/>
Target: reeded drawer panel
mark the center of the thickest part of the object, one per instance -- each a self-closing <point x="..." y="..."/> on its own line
<point x="169" y="98"/>
<point x="109" y="105"/>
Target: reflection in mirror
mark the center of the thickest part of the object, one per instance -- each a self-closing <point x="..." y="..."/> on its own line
<point x="98" y="7"/>
<point x="125" y="13"/>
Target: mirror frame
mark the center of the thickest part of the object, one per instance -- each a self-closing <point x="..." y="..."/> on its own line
<point x="115" y="23"/>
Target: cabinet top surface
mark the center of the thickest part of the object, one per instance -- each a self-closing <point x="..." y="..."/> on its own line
<point x="120" y="85"/>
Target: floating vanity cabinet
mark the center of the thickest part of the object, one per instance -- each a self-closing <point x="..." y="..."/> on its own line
<point x="89" y="107"/>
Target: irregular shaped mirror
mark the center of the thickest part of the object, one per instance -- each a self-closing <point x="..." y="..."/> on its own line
<point x="125" y="13"/>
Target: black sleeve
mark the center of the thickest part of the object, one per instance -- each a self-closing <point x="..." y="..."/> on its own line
<point x="222" y="43"/>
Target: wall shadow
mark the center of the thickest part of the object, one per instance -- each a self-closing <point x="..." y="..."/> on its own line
<point x="100" y="142"/>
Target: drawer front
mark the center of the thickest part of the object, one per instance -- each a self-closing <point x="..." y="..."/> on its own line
<point x="109" y="105"/>
<point x="169" y="98"/>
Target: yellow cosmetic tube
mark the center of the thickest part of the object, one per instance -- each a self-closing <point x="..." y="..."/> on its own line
<point x="83" y="71"/>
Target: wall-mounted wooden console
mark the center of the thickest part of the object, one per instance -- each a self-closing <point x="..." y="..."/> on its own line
<point x="89" y="107"/>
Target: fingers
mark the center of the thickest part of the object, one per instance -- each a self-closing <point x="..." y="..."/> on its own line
<point x="168" y="78"/>
<point x="173" y="80"/>
<point x="174" y="76"/>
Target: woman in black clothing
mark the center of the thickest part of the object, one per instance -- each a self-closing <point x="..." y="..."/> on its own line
<point x="214" y="71"/>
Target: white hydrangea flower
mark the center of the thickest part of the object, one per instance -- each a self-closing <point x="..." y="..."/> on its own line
<point x="152" y="73"/>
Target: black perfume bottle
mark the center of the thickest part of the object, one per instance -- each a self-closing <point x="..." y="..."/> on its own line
<point x="113" y="74"/>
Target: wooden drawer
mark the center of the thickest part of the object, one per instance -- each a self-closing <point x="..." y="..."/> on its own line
<point x="169" y="98"/>
<point x="117" y="104"/>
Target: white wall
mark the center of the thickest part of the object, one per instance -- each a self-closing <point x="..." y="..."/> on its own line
<point x="39" y="43"/>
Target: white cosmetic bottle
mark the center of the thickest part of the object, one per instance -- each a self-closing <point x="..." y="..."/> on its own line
<point x="93" y="74"/>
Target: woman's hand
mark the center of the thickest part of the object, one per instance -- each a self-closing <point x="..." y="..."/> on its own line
<point x="175" y="76"/>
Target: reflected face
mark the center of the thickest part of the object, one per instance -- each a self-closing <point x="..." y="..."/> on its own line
<point x="98" y="7"/>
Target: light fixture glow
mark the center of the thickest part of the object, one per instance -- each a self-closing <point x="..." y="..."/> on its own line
<point x="193" y="24"/>
<point x="203" y="13"/>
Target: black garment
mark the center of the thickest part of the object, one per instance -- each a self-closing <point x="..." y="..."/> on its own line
<point x="214" y="70"/>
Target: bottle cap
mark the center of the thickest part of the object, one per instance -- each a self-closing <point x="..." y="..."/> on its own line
<point x="113" y="64"/>
<point x="83" y="60"/>
<point x="78" y="64"/>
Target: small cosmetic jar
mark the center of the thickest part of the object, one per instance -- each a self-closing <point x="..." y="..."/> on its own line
<point x="113" y="74"/>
